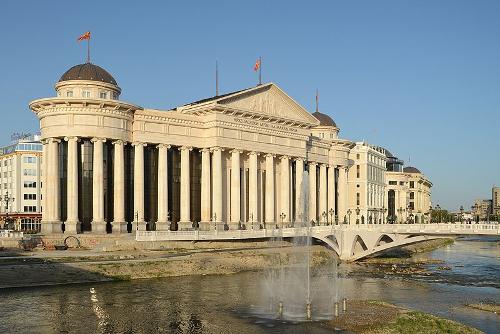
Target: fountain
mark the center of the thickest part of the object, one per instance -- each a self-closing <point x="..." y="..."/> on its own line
<point x="292" y="290"/>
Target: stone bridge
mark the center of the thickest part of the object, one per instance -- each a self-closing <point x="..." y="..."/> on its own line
<point x="350" y="242"/>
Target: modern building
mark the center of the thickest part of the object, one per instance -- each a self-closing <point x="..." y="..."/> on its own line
<point x="408" y="193"/>
<point x="482" y="209"/>
<point x="20" y="183"/>
<point x="495" y="199"/>
<point x="367" y="184"/>
<point x="238" y="160"/>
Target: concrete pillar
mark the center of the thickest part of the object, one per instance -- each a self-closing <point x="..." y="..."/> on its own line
<point x="299" y="195"/>
<point x="323" y="195"/>
<point x="43" y="202"/>
<point x="139" y="223"/>
<point x="119" y="225"/>
<point x="235" y="190"/>
<point x="331" y="194"/>
<point x="285" y="191"/>
<point x="163" y="215"/>
<point x="313" y="215"/>
<point x="343" y="195"/>
<point x="253" y="189"/>
<point x="185" y="216"/>
<point x="269" y="218"/>
<point x="72" y="225"/>
<point x="98" y="223"/>
<point x="217" y="188"/>
<point x="53" y="223"/>
<point x="205" y="190"/>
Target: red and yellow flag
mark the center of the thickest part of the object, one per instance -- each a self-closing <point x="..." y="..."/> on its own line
<point x="84" y="36"/>
<point x="257" y="65"/>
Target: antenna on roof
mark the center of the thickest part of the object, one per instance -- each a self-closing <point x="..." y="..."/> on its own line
<point x="317" y="100"/>
<point x="216" y="78"/>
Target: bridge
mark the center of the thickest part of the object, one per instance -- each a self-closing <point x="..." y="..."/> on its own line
<point x="350" y="242"/>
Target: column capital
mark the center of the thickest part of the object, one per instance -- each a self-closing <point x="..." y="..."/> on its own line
<point x="71" y="138"/>
<point x="184" y="148"/>
<point x="236" y="151"/>
<point x="118" y="142"/>
<point x="285" y="157"/>
<point x="270" y="155"/>
<point x="53" y="140"/>
<point x="253" y="153"/>
<point x="312" y="163"/>
<point x="96" y="139"/>
<point x="298" y="159"/>
<point x="206" y="149"/>
<point x="138" y="143"/>
<point x="167" y="146"/>
<point x="217" y="148"/>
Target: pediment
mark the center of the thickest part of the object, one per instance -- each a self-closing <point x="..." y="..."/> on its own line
<point x="269" y="100"/>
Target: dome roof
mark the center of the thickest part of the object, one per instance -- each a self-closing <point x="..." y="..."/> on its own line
<point x="88" y="71"/>
<point x="324" y="120"/>
<point x="410" y="169"/>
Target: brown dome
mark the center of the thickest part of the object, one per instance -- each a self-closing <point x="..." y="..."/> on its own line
<point x="410" y="169"/>
<point x="88" y="71"/>
<point x="324" y="120"/>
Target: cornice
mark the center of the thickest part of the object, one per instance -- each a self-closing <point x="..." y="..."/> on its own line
<point x="44" y="104"/>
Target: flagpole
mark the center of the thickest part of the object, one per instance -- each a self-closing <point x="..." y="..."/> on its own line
<point x="317" y="98"/>
<point x="216" y="78"/>
<point x="88" y="50"/>
<point x="260" y="70"/>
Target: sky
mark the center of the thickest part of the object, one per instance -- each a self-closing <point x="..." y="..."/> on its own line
<point x="420" y="78"/>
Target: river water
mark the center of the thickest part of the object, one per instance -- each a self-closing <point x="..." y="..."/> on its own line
<point x="232" y="303"/>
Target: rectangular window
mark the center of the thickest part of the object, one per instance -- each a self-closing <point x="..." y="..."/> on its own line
<point x="401" y="183"/>
<point x="357" y="171"/>
<point x="412" y="184"/>
<point x="393" y="183"/>
<point x="103" y="95"/>
<point x="357" y="199"/>
<point x="115" y="96"/>
<point x="412" y="195"/>
<point x="29" y="160"/>
<point x="29" y="184"/>
<point x="69" y="93"/>
<point x="86" y="93"/>
<point x="29" y="196"/>
<point x="29" y="172"/>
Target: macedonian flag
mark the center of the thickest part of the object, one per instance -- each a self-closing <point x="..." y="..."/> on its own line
<point x="84" y="36"/>
<point x="257" y="65"/>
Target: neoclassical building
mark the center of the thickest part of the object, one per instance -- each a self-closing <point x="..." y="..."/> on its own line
<point x="233" y="161"/>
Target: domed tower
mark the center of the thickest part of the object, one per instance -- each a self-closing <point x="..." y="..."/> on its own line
<point x="327" y="128"/>
<point x="86" y="132"/>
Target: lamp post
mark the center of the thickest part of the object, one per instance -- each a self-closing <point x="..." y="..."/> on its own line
<point x="461" y="213"/>
<point x="6" y="199"/>
<point x="384" y="210"/>
<point x="349" y="216"/>
<point x="215" y="221"/>
<point x="282" y="216"/>
<point x="324" y="214"/>
<point x="438" y="208"/>
<point x="357" y="215"/>
<point x="332" y="212"/>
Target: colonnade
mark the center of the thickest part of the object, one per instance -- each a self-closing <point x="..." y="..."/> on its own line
<point x="325" y="203"/>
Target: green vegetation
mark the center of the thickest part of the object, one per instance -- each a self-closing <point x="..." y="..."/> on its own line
<point x="422" y="323"/>
<point x="486" y="307"/>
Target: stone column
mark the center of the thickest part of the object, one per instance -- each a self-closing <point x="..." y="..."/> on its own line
<point x="299" y="194"/>
<point x="343" y="195"/>
<point x="72" y="225"/>
<point x="323" y="194"/>
<point x="185" y="216"/>
<point x="98" y="223"/>
<point x="119" y="225"/>
<point x="217" y="188"/>
<point x="139" y="223"/>
<point x="331" y="194"/>
<point x="252" y="189"/>
<point x="285" y="191"/>
<point x="270" y="219"/>
<point x="44" y="185"/>
<point x="205" y="190"/>
<point x="235" y="220"/>
<point x="313" y="215"/>
<point x="163" y="224"/>
<point x="52" y="195"/>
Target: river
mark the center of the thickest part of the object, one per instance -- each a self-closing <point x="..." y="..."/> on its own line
<point x="228" y="304"/>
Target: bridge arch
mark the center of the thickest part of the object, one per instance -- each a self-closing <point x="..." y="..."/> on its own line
<point x="358" y="245"/>
<point x="330" y="241"/>
<point x="384" y="239"/>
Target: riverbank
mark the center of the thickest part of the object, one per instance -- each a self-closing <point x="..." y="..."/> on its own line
<point x="375" y="317"/>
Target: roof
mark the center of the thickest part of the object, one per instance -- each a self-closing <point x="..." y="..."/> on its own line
<point x="88" y="71"/>
<point x="411" y="169"/>
<point x="324" y="120"/>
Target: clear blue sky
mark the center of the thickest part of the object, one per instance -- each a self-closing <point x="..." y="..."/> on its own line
<point x="421" y="78"/>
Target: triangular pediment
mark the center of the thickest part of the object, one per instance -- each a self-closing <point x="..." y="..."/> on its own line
<point x="268" y="100"/>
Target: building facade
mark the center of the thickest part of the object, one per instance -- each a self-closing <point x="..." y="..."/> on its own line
<point x="20" y="184"/>
<point x="482" y="209"/>
<point x="495" y="199"/>
<point x="367" y="184"/>
<point x="248" y="159"/>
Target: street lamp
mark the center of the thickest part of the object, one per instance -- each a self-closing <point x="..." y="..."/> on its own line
<point x="349" y="215"/>
<point x="282" y="216"/>
<point x="384" y="210"/>
<point x="438" y="208"/>
<point x="324" y="214"/>
<point x="461" y="213"/>
<point x="357" y="215"/>
<point x="6" y="199"/>
<point x="332" y="212"/>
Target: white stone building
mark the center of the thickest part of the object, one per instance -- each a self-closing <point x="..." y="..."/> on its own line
<point x="232" y="161"/>
<point x="20" y="183"/>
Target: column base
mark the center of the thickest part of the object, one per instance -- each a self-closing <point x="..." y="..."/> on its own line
<point x="119" y="227"/>
<point x="207" y="226"/>
<point x="162" y="226"/>
<point x="185" y="225"/>
<point x="270" y="225"/>
<point x="72" y="227"/>
<point x="51" y="227"/>
<point x="98" y="227"/>
<point x="221" y="226"/>
<point x="138" y="226"/>
<point x="253" y="225"/>
<point x="234" y="225"/>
